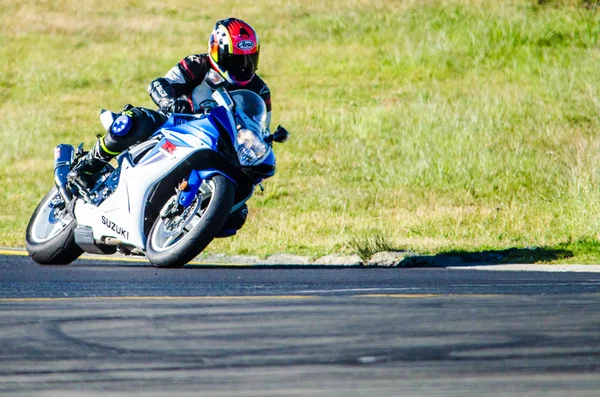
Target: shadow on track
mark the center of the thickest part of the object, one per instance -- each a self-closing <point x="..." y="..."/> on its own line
<point x="526" y="255"/>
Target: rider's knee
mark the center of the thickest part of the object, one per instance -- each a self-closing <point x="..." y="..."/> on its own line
<point x="237" y="219"/>
<point x="136" y="125"/>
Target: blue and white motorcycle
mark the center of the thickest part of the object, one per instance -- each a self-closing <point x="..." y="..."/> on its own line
<point x="169" y="196"/>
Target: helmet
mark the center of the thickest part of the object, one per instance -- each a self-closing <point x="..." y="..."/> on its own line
<point x="233" y="49"/>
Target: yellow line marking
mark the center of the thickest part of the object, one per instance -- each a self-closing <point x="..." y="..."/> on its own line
<point x="160" y="298"/>
<point x="13" y="252"/>
<point x="108" y="258"/>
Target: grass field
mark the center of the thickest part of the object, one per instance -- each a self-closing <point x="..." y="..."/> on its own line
<point x="432" y="126"/>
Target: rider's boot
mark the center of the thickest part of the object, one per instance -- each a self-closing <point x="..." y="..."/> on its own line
<point x="90" y="165"/>
<point x="132" y="126"/>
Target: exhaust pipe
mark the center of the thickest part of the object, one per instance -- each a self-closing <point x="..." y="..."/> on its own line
<point x="63" y="158"/>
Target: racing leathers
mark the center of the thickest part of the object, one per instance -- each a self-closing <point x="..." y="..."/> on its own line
<point x="183" y="90"/>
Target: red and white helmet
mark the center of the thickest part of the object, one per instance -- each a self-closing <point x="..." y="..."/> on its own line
<point x="233" y="49"/>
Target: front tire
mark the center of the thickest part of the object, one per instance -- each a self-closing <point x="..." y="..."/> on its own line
<point x="177" y="238"/>
<point x="50" y="236"/>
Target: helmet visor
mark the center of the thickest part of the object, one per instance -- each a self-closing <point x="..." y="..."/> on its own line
<point x="241" y="68"/>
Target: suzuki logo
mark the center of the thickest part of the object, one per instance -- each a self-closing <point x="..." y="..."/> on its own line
<point x="114" y="227"/>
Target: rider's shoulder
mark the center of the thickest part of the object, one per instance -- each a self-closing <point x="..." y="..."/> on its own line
<point x="194" y="67"/>
<point x="201" y="59"/>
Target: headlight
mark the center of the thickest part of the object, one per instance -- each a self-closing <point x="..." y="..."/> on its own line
<point x="252" y="148"/>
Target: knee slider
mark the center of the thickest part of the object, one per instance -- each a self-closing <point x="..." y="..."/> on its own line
<point x="237" y="219"/>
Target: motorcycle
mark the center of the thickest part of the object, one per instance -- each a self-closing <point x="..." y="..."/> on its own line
<point x="169" y="196"/>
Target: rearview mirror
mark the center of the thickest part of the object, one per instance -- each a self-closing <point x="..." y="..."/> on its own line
<point x="280" y="135"/>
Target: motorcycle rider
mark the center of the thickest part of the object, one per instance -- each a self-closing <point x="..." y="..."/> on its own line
<point x="233" y="52"/>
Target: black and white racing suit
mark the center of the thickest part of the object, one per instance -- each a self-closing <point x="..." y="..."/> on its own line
<point x="185" y="81"/>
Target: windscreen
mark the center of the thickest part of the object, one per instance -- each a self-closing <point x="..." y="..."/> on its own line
<point x="251" y="110"/>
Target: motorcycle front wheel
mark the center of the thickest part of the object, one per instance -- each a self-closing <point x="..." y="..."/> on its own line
<point x="50" y="236"/>
<point x="179" y="235"/>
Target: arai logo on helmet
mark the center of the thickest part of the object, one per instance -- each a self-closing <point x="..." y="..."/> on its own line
<point x="245" y="45"/>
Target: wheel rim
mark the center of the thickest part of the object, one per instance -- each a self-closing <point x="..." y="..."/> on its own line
<point x="52" y="218"/>
<point x="172" y="230"/>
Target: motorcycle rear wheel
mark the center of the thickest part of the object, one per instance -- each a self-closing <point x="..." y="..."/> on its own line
<point x="50" y="236"/>
<point x="177" y="238"/>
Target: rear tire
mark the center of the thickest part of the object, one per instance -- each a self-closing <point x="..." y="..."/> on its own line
<point x="50" y="233"/>
<point x="174" y="240"/>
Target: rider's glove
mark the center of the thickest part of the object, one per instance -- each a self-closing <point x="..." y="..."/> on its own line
<point x="181" y="105"/>
<point x="178" y="105"/>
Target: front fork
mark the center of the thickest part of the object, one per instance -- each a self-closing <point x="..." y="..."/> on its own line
<point x="193" y="183"/>
<point x="187" y="191"/>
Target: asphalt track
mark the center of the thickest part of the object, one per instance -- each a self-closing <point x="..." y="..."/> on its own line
<point x="125" y="328"/>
